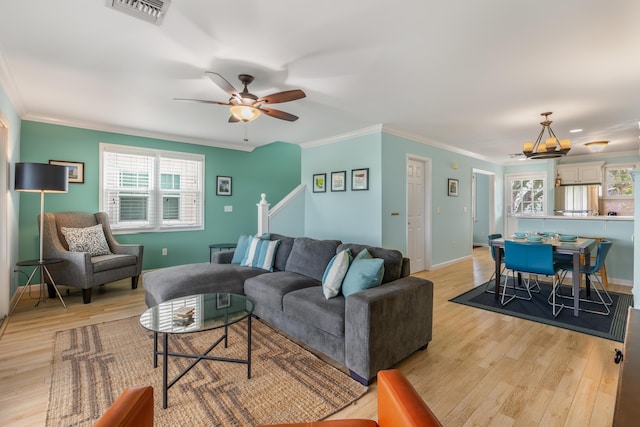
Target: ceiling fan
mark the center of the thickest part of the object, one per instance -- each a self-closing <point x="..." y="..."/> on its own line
<point x="245" y="106"/>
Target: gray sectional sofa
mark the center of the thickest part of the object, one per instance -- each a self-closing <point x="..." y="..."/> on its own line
<point x="367" y="331"/>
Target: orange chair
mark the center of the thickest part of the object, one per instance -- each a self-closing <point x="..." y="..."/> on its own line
<point x="133" y="408"/>
<point x="399" y="405"/>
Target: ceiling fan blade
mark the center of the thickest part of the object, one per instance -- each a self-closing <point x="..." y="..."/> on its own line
<point x="233" y="119"/>
<point x="286" y="96"/>
<point x="201" y="100"/>
<point x="279" y="114"/>
<point x="223" y="83"/>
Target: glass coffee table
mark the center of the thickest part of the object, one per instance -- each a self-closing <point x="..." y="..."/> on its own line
<point x="196" y="313"/>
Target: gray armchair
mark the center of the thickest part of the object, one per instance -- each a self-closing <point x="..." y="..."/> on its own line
<point x="80" y="269"/>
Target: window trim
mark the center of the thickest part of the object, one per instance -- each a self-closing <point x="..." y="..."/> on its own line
<point x="521" y="176"/>
<point x="156" y="194"/>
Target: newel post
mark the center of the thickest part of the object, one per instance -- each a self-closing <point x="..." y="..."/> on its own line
<point x="263" y="215"/>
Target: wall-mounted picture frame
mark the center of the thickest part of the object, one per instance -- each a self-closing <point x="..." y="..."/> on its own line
<point x="339" y="181"/>
<point x="223" y="300"/>
<point x="360" y="179"/>
<point x="223" y="185"/>
<point x="76" y="170"/>
<point x="320" y="183"/>
<point x="452" y="187"/>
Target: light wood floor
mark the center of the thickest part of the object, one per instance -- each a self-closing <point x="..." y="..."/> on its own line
<point x="481" y="369"/>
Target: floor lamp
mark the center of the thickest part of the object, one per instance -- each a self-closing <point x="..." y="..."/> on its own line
<point x="42" y="178"/>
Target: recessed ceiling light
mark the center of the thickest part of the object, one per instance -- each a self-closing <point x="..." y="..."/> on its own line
<point x="575" y="130"/>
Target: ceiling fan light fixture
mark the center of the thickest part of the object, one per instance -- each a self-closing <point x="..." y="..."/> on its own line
<point x="245" y="113"/>
<point x="597" y="146"/>
<point x="549" y="148"/>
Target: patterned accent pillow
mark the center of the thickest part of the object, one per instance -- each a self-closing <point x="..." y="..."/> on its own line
<point x="88" y="239"/>
<point x="335" y="272"/>
<point x="261" y="253"/>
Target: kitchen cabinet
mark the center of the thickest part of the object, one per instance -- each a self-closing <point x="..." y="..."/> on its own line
<point x="581" y="173"/>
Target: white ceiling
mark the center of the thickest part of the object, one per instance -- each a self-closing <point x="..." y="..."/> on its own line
<point x="473" y="74"/>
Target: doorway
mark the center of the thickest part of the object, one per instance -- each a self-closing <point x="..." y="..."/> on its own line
<point x="483" y="206"/>
<point x="418" y="213"/>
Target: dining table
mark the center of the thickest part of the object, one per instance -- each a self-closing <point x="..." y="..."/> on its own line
<point x="578" y="248"/>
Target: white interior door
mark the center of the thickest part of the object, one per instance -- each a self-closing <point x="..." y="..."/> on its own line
<point x="416" y="242"/>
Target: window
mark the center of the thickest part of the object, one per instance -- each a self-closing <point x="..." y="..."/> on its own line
<point x="151" y="190"/>
<point x="526" y="196"/>
<point x="619" y="182"/>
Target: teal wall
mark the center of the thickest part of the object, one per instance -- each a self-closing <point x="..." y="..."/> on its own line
<point x="451" y="232"/>
<point x="350" y="216"/>
<point x="481" y="224"/>
<point x="366" y="216"/>
<point x="273" y="169"/>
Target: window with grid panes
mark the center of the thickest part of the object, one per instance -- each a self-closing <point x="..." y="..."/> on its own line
<point x="146" y="190"/>
<point x="527" y="196"/>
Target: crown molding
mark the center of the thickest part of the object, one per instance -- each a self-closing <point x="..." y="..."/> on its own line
<point x="136" y="132"/>
<point x="433" y="143"/>
<point x="343" y="136"/>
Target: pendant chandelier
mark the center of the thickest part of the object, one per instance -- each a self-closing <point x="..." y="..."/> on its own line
<point x="550" y="147"/>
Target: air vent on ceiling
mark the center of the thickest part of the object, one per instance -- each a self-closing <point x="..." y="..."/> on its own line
<point x="148" y="10"/>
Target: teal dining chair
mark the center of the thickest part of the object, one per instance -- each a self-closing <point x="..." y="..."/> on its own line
<point x="603" y="298"/>
<point x="532" y="259"/>
<point x="490" y="285"/>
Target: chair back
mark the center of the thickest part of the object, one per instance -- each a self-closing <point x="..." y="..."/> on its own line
<point x="535" y="258"/>
<point x="493" y="249"/>
<point x="603" y="250"/>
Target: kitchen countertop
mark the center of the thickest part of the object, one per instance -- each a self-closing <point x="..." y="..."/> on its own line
<point x="581" y="218"/>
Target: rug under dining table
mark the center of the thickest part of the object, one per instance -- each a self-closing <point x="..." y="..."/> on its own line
<point x="93" y="364"/>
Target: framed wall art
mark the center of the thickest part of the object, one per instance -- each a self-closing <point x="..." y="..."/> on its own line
<point x="339" y="181"/>
<point x="76" y="170"/>
<point x="319" y="182"/>
<point x="223" y="186"/>
<point x="360" y="179"/>
<point x="452" y="187"/>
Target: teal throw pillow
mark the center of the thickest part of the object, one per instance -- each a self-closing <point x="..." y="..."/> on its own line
<point x="241" y="249"/>
<point x="365" y="272"/>
<point x="335" y="272"/>
<point x="261" y="253"/>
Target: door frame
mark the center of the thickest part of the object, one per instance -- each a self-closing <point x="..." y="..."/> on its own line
<point x="427" y="185"/>
<point x="5" y="244"/>
<point x="492" y="199"/>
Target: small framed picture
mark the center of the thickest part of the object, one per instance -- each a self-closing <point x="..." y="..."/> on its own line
<point x="339" y="181"/>
<point x="223" y="186"/>
<point x="320" y="183"/>
<point x="76" y="170"/>
<point x="452" y="187"/>
<point x="360" y="179"/>
<point x="223" y="300"/>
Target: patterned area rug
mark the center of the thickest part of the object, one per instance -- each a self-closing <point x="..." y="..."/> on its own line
<point x="93" y="364"/>
<point x="611" y="327"/>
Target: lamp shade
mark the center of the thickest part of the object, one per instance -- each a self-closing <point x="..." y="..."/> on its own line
<point x="41" y="177"/>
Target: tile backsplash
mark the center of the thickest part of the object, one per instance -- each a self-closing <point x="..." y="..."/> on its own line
<point x="622" y="207"/>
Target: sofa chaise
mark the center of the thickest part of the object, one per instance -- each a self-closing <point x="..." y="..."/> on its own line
<point x="366" y="331"/>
